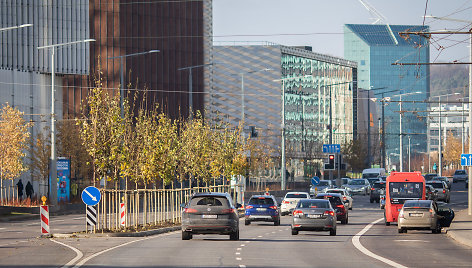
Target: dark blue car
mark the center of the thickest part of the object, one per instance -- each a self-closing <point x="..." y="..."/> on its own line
<point x="262" y="208"/>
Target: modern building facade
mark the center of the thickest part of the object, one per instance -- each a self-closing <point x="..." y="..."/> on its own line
<point x="376" y="48"/>
<point x="268" y="84"/>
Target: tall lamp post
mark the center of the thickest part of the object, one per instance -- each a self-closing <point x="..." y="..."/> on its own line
<point x="190" y="86"/>
<point x="282" y="156"/>
<point x="53" y="167"/>
<point x="15" y="27"/>
<point x="401" y="133"/>
<point x="122" y="80"/>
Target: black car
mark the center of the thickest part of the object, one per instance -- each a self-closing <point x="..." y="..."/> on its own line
<point x="336" y="201"/>
<point x="375" y="191"/>
<point x="431" y="176"/>
<point x="210" y="213"/>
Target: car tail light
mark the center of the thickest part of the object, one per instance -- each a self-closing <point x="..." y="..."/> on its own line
<point x="328" y="212"/>
<point x="372" y="188"/>
<point x="190" y="210"/>
<point x="229" y="210"/>
<point x="286" y="202"/>
<point x="431" y="213"/>
<point x="400" y="215"/>
<point x="297" y="213"/>
<point x="345" y="198"/>
<point x="444" y="191"/>
<point x="342" y="207"/>
<point x="249" y="207"/>
<point x="273" y="207"/>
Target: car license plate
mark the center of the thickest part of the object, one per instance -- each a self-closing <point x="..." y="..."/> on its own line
<point x="209" y="216"/>
<point x="261" y="209"/>
<point x="416" y="214"/>
<point x="314" y="216"/>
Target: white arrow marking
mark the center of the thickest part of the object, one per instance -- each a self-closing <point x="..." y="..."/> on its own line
<point x="465" y="158"/>
<point x="470" y="159"/>
<point x="91" y="196"/>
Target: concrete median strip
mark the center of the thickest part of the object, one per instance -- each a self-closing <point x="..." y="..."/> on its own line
<point x="356" y="242"/>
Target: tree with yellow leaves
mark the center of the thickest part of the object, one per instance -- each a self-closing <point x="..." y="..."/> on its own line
<point x="14" y="136"/>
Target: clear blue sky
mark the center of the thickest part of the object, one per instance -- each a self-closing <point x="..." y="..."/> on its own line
<point x="319" y="23"/>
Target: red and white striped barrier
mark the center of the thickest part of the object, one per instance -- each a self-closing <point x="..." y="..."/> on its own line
<point x="122" y="214"/>
<point x="44" y="211"/>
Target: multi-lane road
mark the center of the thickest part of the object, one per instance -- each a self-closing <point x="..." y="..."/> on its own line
<point x="357" y="244"/>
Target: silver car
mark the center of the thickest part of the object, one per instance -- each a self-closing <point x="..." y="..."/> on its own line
<point x="358" y="186"/>
<point x="419" y="215"/>
<point x="441" y="190"/>
<point x="290" y="201"/>
<point x="210" y="213"/>
<point x="314" y="215"/>
<point x="321" y="187"/>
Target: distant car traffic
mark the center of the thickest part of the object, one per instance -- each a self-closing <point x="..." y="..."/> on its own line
<point x="423" y="215"/>
<point x="262" y="208"/>
<point x="347" y="198"/>
<point x="337" y="203"/>
<point x="430" y="193"/>
<point x="441" y="190"/>
<point x="210" y="213"/>
<point x="344" y="182"/>
<point x="460" y="175"/>
<point x="358" y="186"/>
<point x="290" y="201"/>
<point x="446" y="180"/>
<point x="321" y="187"/>
<point x="314" y="215"/>
<point x="375" y="191"/>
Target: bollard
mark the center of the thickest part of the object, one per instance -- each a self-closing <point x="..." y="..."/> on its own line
<point x="122" y="212"/>
<point x="44" y="211"/>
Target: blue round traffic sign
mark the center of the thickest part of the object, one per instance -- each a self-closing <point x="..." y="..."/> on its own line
<point x="91" y="196"/>
<point x="315" y="180"/>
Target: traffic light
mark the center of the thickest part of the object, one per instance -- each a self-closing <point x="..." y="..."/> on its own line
<point x="253" y="131"/>
<point x="331" y="162"/>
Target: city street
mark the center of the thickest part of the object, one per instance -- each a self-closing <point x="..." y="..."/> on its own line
<point x="260" y="245"/>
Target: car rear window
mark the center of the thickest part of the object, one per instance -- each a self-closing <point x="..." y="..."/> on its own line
<point x="296" y="196"/>
<point x="336" y="191"/>
<point x="410" y="204"/>
<point x="313" y="203"/>
<point x="460" y="172"/>
<point x="379" y="185"/>
<point x="209" y="201"/>
<point x="356" y="182"/>
<point x="334" y="200"/>
<point x="261" y="201"/>
<point x="436" y="185"/>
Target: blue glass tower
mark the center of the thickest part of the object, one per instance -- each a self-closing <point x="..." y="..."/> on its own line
<point x="375" y="48"/>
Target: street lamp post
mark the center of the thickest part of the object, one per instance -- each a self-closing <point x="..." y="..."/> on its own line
<point x="53" y="167"/>
<point x="122" y="80"/>
<point x="190" y="86"/>
<point x="15" y="27"/>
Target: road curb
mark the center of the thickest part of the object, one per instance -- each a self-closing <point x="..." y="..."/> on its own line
<point x="120" y="234"/>
<point x="458" y="238"/>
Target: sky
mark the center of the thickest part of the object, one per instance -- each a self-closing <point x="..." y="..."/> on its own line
<point x="319" y="23"/>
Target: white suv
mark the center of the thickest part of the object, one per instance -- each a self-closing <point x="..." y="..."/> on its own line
<point x="290" y="201"/>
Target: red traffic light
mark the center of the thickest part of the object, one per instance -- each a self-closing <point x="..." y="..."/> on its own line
<point x="331" y="157"/>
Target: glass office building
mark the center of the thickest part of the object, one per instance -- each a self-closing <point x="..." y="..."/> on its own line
<point x="376" y="48"/>
<point x="259" y="77"/>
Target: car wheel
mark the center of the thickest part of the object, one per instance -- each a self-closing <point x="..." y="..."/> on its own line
<point x="344" y="221"/>
<point x="234" y="236"/>
<point x="294" y="232"/>
<point x="332" y="232"/>
<point x="246" y="222"/>
<point x="186" y="235"/>
<point x="371" y="200"/>
<point x="350" y="208"/>
<point x="400" y="231"/>
<point x="277" y="222"/>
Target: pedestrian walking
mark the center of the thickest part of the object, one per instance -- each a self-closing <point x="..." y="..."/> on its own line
<point x="20" y="189"/>
<point x="29" y="190"/>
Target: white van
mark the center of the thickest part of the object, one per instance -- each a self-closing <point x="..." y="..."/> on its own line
<point x="373" y="174"/>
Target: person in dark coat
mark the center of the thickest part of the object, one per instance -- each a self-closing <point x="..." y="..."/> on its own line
<point x="29" y="190"/>
<point x="20" y="189"/>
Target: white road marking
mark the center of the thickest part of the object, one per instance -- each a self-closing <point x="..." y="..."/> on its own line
<point x="356" y="242"/>
<point x="77" y="257"/>
<point x="239" y="259"/>
<point x="259" y="236"/>
<point x="242" y="266"/>
<point x="31" y="224"/>
<point x="79" y="218"/>
<point x="243" y="245"/>
<point x="238" y="253"/>
<point x="238" y="249"/>
<point x="411" y="241"/>
<point x="273" y="232"/>
<point x="2" y="228"/>
<point x="58" y="220"/>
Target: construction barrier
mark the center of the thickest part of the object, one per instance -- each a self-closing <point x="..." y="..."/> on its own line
<point x="44" y="211"/>
<point x="122" y="214"/>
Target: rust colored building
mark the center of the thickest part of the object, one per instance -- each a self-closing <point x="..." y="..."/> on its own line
<point x="181" y="30"/>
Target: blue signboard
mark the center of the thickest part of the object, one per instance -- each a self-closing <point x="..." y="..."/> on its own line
<point x="91" y="196"/>
<point x="63" y="179"/>
<point x="315" y="180"/>
<point x="331" y="148"/>
<point x="466" y="159"/>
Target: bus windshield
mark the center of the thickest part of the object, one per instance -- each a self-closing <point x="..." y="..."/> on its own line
<point x="405" y="190"/>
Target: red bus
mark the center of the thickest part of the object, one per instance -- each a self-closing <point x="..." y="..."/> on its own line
<point x="402" y="186"/>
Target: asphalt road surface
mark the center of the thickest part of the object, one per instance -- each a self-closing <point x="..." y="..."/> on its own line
<point x="357" y="244"/>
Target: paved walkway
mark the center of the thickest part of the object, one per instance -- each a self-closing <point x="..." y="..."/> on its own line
<point x="461" y="228"/>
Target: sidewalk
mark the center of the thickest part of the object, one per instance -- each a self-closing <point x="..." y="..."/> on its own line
<point x="461" y="228"/>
